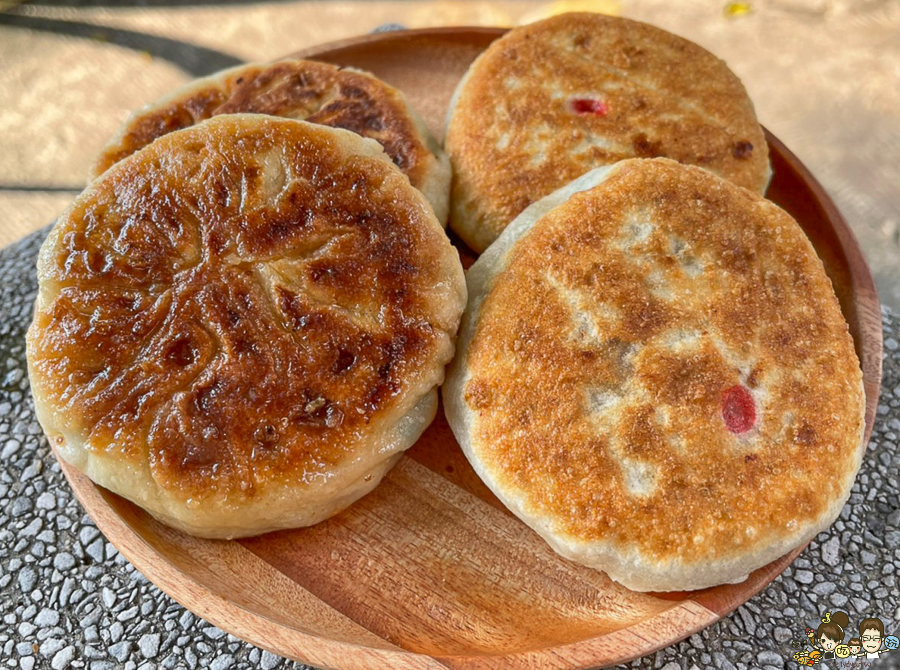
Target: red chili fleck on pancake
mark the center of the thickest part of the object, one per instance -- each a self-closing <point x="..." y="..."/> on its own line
<point x="590" y="106"/>
<point x="738" y="409"/>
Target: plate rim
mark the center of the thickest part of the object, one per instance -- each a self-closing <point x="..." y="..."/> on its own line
<point x="327" y="652"/>
<point x="225" y="613"/>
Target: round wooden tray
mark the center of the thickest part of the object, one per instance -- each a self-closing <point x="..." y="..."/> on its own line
<point x="430" y="570"/>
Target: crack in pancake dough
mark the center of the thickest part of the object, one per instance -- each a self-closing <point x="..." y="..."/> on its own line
<point x="673" y="378"/>
<point x="306" y="90"/>
<point x="549" y="101"/>
<point x="240" y="305"/>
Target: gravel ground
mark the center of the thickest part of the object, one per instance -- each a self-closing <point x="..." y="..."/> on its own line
<point x="69" y="599"/>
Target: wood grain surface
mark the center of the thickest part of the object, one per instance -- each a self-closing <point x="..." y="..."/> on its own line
<point x="430" y="570"/>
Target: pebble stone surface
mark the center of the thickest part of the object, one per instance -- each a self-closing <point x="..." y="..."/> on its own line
<point x="68" y="599"/>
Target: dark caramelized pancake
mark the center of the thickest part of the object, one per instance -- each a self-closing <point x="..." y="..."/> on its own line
<point x="240" y="326"/>
<point x="297" y="89"/>
<point x="655" y="374"/>
<point x="551" y="100"/>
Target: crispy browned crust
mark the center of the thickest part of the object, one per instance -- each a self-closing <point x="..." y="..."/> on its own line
<point x="297" y="89"/>
<point x="239" y="304"/>
<point x="514" y="137"/>
<point x="610" y="341"/>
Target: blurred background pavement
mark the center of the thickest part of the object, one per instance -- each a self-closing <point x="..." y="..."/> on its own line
<point x="824" y="76"/>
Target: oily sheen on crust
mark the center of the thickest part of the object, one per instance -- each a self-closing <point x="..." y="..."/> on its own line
<point x="654" y="373"/>
<point x="549" y="101"/>
<point x="242" y="326"/>
<point x="299" y="89"/>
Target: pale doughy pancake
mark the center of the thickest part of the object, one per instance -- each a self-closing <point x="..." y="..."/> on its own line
<point x="549" y="101"/>
<point x="306" y="90"/>
<point x="243" y="325"/>
<point x="654" y="373"/>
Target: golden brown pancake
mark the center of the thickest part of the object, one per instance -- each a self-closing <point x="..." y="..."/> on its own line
<point x="241" y="326"/>
<point x="654" y="374"/>
<point x="306" y="90"/>
<point x="549" y="101"/>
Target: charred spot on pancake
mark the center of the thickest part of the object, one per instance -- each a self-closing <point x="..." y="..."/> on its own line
<point x="182" y="352"/>
<point x="375" y="124"/>
<point x="272" y="231"/>
<point x="392" y="354"/>
<point x="646" y="148"/>
<point x="267" y="434"/>
<point x="353" y="92"/>
<point x="753" y="377"/>
<point x="343" y="361"/>
<point x="742" y="150"/>
<point x="192" y="455"/>
<point x="162" y="123"/>
<point x="806" y="434"/>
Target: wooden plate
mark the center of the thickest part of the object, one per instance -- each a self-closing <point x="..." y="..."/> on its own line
<point x="429" y="570"/>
